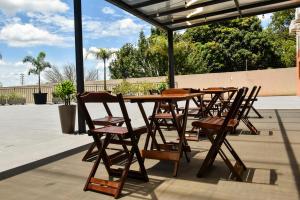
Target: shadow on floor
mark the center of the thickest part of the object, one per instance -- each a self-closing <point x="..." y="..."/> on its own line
<point x="290" y="153"/>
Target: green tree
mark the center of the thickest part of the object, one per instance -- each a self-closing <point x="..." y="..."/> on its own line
<point x="278" y="32"/>
<point x="126" y="63"/>
<point x="38" y="65"/>
<point x="104" y="55"/>
<point x="236" y="42"/>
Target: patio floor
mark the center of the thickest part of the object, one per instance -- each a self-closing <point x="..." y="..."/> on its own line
<point x="271" y="157"/>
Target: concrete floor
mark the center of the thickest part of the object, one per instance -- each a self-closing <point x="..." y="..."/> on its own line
<point x="272" y="157"/>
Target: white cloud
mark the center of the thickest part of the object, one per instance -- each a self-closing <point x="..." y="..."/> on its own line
<point x="12" y="7"/>
<point x="108" y="10"/>
<point x="24" y="35"/>
<point x="10" y="73"/>
<point x="122" y="27"/>
<point x="265" y="19"/>
<point x="58" y="22"/>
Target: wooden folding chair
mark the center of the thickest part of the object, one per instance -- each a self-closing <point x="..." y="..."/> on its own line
<point x="248" y="106"/>
<point x="255" y="99"/>
<point x="116" y="135"/>
<point x="220" y="127"/>
<point x="108" y="120"/>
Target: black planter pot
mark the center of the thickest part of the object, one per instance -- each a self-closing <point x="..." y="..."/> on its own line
<point x="40" y="98"/>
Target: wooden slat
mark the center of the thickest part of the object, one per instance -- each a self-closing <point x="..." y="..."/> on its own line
<point x="113" y="184"/>
<point x="106" y="190"/>
<point x="161" y="155"/>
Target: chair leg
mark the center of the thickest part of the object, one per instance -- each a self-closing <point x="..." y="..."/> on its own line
<point x="257" y="113"/>
<point x="89" y="154"/>
<point x="124" y="174"/>
<point x="97" y="162"/>
<point x="250" y="126"/>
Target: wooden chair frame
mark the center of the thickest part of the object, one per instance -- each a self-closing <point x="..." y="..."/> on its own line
<point x="109" y="120"/>
<point x="220" y="139"/>
<point x="248" y="106"/>
<point x="127" y="136"/>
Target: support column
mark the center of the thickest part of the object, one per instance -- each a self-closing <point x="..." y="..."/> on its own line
<point x="171" y="59"/>
<point x="298" y="64"/>
<point x="79" y="59"/>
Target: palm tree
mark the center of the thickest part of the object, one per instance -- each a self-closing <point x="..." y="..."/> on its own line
<point x="39" y="64"/>
<point x="102" y="54"/>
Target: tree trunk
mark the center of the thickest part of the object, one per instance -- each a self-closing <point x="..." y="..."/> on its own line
<point x="104" y="61"/>
<point x="40" y="83"/>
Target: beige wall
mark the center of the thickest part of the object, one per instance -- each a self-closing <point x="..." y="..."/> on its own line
<point x="274" y="82"/>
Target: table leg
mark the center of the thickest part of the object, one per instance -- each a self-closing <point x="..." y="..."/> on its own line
<point x="149" y="125"/>
<point x="211" y="104"/>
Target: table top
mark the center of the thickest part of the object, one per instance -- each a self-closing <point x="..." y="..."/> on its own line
<point x="162" y="97"/>
<point x="212" y="91"/>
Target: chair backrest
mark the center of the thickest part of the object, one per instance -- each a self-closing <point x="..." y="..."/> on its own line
<point x="232" y="113"/>
<point x="252" y="100"/>
<point x="101" y="97"/>
<point x="176" y="91"/>
<point x="247" y="103"/>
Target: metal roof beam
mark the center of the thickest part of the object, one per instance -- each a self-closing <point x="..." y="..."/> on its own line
<point x="181" y="9"/>
<point x="137" y="13"/>
<point x="237" y="4"/>
<point x="147" y="3"/>
<point x="294" y="5"/>
<point x="220" y="12"/>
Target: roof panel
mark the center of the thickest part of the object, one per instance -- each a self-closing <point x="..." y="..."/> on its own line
<point x="180" y="14"/>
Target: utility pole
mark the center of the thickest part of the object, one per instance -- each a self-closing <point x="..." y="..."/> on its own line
<point x="246" y="64"/>
<point x="22" y="78"/>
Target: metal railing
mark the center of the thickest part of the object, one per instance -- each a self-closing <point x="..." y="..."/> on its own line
<point x="27" y="91"/>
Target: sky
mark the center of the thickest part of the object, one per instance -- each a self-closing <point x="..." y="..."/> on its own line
<point x="29" y="27"/>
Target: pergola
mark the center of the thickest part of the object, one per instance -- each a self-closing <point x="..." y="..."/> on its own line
<point x="172" y="15"/>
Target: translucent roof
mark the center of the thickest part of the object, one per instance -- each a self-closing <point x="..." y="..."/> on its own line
<point x="181" y="14"/>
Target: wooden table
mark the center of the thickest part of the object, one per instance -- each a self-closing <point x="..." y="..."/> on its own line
<point x="169" y="151"/>
<point x="217" y="93"/>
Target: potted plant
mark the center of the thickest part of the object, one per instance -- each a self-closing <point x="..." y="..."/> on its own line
<point x="2" y="99"/>
<point x="67" y="112"/>
<point x="38" y="65"/>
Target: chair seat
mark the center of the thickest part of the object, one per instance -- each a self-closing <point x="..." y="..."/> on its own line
<point x="167" y="116"/>
<point x="108" y="120"/>
<point x="117" y="130"/>
<point x="214" y="123"/>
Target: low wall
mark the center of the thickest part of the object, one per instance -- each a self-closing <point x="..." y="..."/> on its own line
<point x="274" y="82"/>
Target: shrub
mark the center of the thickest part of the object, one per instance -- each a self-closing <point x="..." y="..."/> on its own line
<point x="125" y="88"/>
<point x="162" y="86"/>
<point x="2" y="99"/>
<point x="15" y="99"/>
<point x="65" y="90"/>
